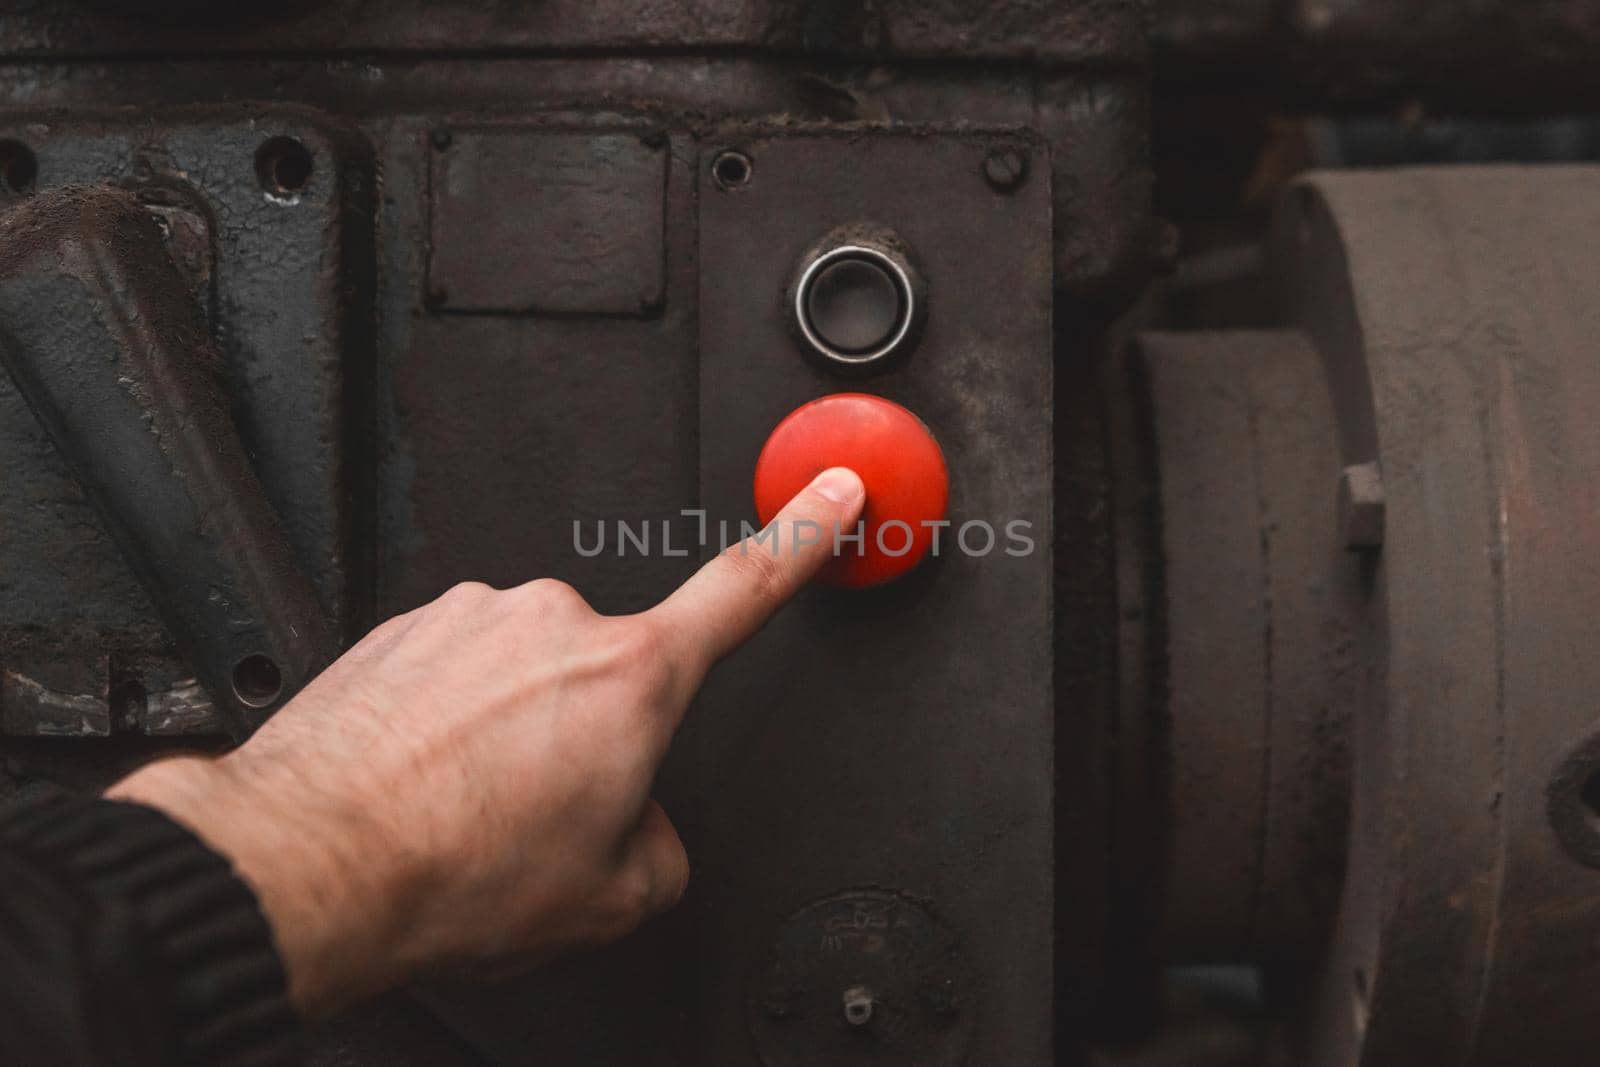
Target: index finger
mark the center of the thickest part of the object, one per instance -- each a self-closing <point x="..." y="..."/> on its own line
<point x="734" y="595"/>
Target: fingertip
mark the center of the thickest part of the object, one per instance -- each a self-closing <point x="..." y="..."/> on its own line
<point x="840" y="485"/>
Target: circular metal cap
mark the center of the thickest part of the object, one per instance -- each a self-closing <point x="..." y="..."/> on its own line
<point x="854" y="304"/>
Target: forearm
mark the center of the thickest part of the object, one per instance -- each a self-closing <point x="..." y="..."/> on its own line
<point x="328" y="889"/>
<point x="125" y="941"/>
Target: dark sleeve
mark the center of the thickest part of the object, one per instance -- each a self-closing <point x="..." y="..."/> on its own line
<point x="125" y="942"/>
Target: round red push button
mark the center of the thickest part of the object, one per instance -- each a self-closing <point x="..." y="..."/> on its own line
<point x="908" y="486"/>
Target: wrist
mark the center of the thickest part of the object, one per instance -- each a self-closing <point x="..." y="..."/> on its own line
<point x="320" y="879"/>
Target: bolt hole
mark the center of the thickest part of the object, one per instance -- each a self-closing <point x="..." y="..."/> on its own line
<point x="19" y="167"/>
<point x="1573" y="802"/>
<point x="858" y="1006"/>
<point x="283" y="166"/>
<point x="128" y="701"/>
<point x="257" y="682"/>
<point x="732" y="169"/>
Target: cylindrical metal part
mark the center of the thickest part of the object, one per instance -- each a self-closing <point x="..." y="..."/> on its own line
<point x="1253" y="684"/>
<point x="1454" y="310"/>
<point x="856" y="305"/>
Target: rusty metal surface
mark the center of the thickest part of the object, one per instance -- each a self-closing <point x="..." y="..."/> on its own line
<point x="529" y="411"/>
<point x="513" y="297"/>
<point x="285" y="287"/>
<point x="548" y="221"/>
<point x="1076" y="31"/>
<point x="498" y="434"/>
<point x="104" y="338"/>
<point x="1463" y="930"/>
<point x="858" y="763"/>
<point x="1387" y="510"/>
<point x="1106" y="241"/>
<point x="502" y="430"/>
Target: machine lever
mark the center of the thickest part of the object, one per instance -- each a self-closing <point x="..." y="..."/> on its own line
<point x="107" y="344"/>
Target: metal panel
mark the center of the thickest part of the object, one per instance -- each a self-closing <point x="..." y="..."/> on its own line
<point x="899" y="739"/>
<point x="556" y="222"/>
<point x="1065" y="30"/>
<point x="285" y="279"/>
<point x="499" y="432"/>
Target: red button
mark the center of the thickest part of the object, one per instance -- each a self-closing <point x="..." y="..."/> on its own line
<point x="898" y="460"/>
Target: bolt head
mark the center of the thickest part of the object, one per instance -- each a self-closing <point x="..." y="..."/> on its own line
<point x="1005" y="169"/>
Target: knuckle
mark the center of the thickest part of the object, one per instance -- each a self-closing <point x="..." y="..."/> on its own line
<point x="382" y="636"/>
<point x="553" y="595"/>
<point x="629" y="902"/>
<point x="675" y="880"/>
<point x="760" y="568"/>
<point x="389" y="627"/>
<point x="466" y="593"/>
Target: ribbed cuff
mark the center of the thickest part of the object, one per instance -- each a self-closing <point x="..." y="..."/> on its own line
<point x="227" y="990"/>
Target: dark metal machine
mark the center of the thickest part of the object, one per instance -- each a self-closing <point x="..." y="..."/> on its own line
<point x="1274" y="323"/>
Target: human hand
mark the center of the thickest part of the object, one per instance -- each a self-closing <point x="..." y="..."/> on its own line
<point x="470" y="783"/>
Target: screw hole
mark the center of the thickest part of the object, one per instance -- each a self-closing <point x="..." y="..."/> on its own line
<point x="858" y="1005"/>
<point x="732" y="169"/>
<point x="283" y="166"/>
<point x="19" y="167"/>
<point x="257" y="682"/>
<point x="128" y="700"/>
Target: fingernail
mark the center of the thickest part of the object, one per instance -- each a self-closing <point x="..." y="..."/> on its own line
<point x="840" y="485"/>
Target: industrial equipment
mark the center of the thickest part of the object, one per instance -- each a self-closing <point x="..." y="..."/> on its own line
<point x="1237" y="702"/>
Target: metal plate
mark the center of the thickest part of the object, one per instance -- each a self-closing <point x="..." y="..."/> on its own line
<point x="560" y="222"/>
<point x="288" y="302"/>
<point x="900" y="738"/>
<point x="499" y="433"/>
<point x="1062" y="30"/>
